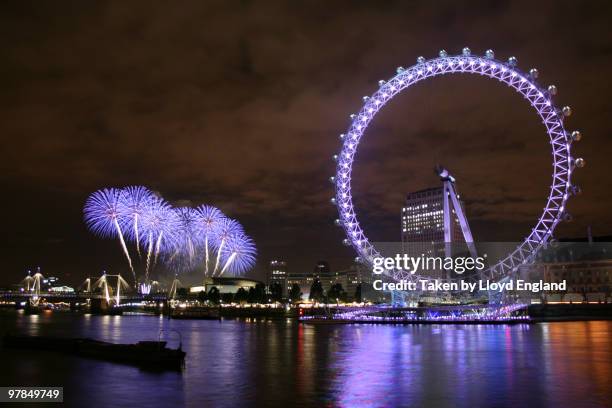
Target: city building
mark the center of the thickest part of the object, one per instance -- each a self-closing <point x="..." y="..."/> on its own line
<point x="323" y="272"/>
<point x="277" y="273"/>
<point x="303" y="280"/>
<point x="585" y="264"/>
<point x="433" y="223"/>
<point x="61" y="289"/>
<point x="587" y="280"/>
<point x="226" y="284"/>
<point x="423" y="218"/>
<point x="49" y="282"/>
<point x="350" y="278"/>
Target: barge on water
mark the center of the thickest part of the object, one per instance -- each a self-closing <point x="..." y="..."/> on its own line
<point x="145" y="354"/>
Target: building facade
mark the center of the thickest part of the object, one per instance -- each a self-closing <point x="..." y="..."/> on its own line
<point x="277" y="273"/>
<point x="224" y="284"/>
<point x="434" y="224"/>
<point x="423" y="218"/>
<point x="584" y="265"/>
<point x="352" y="277"/>
<point x="303" y="280"/>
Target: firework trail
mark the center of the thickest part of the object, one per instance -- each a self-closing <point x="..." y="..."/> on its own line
<point x="102" y="217"/>
<point x="187" y="239"/>
<point x="209" y="218"/>
<point x="159" y="221"/>
<point x="238" y="254"/>
<point x="225" y="228"/>
<point x="133" y="202"/>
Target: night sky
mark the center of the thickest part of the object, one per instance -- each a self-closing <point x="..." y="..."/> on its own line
<point x="239" y="105"/>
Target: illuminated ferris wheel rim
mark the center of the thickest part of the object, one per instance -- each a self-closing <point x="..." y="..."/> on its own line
<point x="505" y="72"/>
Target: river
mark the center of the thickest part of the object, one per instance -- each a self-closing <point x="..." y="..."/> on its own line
<point x="235" y="363"/>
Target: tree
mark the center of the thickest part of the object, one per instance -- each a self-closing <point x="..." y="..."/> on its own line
<point x="241" y="296"/>
<point x="251" y="295"/>
<point x="316" y="290"/>
<point x="227" y="297"/>
<point x="213" y="295"/>
<point x="276" y="291"/>
<point x="336" y="293"/>
<point x="202" y="296"/>
<point x="257" y="294"/>
<point x="182" y="293"/>
<point x="295" y="294"/>
<point x="358" y="297"/>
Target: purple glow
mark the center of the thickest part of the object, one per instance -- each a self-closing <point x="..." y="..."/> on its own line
<point x="452" y="314"/>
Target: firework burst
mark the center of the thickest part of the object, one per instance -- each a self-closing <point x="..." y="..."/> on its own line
<point x="133" y="202"/>
<point x="225" y="228"/>
<point x="183" y="252"/>
<point x="238" y="254"/>
<point x="103" y="218"/>
<point x="159" y="225"/>
<point x="209" y="217"/>
<point x="184" y="237"/>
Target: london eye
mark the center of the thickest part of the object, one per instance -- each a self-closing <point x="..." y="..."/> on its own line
<point x="524" y="83"/>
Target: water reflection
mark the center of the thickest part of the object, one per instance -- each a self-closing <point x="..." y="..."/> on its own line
<point x="282" y="363"/>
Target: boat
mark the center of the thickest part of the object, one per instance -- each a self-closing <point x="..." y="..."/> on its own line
<point x="146" y="354"/>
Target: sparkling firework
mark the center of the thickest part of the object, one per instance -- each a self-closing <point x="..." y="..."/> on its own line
<point x="133" y="202"/>
<point x="183" y="237"/>
<point x="183" y="252"/>
<point x="238" y="254"/>
<point x="209" y="218"/>
<point x="225" y="228"/>
<point x="102" y="217"/>
<point x="159" y="225"/>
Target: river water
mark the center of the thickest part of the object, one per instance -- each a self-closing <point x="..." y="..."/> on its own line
<point x="235" y="363"/>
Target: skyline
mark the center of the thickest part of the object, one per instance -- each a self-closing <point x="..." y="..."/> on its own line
<point x="250" y="124"/>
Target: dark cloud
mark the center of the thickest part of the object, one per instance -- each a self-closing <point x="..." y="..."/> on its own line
<point x="239" y="104"/>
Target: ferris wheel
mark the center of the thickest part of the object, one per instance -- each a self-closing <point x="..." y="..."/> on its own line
<point x="524" y="83"/>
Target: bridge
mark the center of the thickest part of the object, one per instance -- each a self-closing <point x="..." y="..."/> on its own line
<point x="110" y="289"/>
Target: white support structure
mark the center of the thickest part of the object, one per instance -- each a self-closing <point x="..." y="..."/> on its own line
<point x="449" y="191"/>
